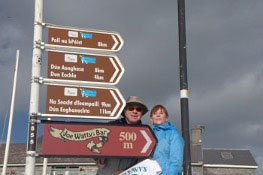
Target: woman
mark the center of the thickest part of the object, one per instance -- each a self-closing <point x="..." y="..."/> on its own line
<point x="169" y="150"/>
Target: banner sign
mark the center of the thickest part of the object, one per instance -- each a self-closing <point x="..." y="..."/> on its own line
<point x="97" y="140"/>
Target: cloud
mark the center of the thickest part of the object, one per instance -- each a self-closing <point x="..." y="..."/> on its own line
<point x="230" y="113"/>
<point x="224" y="50"/>
<point x="9" y="35"/>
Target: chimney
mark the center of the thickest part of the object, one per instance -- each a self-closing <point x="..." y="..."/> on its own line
<point x="196" y="149"/>
<point x="196" y="134"/>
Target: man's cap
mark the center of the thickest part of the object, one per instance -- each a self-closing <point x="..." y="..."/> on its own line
<point x="135" y="100"/>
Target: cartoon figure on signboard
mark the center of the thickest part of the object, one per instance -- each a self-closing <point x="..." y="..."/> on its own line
<point x="68" y="135"/>
<point x="93" y="147"/>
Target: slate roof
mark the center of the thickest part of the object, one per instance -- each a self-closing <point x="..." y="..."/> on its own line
<point x="17" y="155"/>
<point x="234" y="157"/>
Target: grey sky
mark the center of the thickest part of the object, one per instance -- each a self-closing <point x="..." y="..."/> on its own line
<point x="224" y="50"/>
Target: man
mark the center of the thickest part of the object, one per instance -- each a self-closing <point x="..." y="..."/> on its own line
<point x="132" y="114"/>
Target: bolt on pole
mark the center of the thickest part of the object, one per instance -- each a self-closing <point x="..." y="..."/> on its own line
<point x="184" y="87"/>
<point x="35" y="86"/>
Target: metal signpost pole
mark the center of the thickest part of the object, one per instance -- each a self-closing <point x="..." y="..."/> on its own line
<point x="184" y="87"/>
<point x="34" y="96"/>
<point x="11" y="117"/>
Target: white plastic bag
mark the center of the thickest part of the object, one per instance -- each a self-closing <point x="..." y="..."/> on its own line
<point x="146" y="167"/>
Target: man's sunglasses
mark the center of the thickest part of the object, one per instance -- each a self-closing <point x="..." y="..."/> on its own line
<point x="137" y="109"/>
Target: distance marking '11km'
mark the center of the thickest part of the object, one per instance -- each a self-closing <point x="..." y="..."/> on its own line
<point x="83" y="102"/>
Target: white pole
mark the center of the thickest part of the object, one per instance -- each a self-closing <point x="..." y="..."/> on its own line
<point x="35" y="86"/>
<point x="11" y="116"/>
<point x="45" y="166"/>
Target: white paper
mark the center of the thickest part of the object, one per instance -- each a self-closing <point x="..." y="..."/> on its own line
<point x="146" y="167"/>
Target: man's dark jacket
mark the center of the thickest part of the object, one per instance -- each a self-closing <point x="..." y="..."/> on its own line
<point x="116" y="164"/>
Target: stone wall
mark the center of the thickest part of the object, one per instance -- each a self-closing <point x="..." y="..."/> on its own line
<point x="81" y="170"/>
<point x="228" y="171"/>
<point x="197" y="170"/>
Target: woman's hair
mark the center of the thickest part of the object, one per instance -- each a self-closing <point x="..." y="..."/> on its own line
<point x="157" y="107"/>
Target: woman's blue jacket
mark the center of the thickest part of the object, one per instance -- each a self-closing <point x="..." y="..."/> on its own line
<point x="170" y="148"/>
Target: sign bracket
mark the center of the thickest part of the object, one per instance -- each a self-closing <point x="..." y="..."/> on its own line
<point x="35" y="114"/>
<point x="38" y="80"/>
<point x="32" y="154"/>
<point x="49" y="25"/>
<point x="35" y="121"/>
<point x="73" y="49"/>
<point x="47" y="81"/>
<point x="40" y="23"/>
<point x="75" y="116"/>
<point x="37" y="44"/>
<point x="74" y="83"/>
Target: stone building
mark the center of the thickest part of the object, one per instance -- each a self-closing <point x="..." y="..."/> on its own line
<point x="228" y="162"/>
<point x="55" y="166"/>
<point x="214" y="161"/>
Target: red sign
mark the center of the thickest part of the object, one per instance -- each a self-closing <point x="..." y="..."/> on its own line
<point x="97" y="140"/>
<point x="89" y="39"/>
<point x="100" y="69"/>
<point x="84" y="102"/>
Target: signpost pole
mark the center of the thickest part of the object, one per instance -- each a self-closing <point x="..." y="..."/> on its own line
<point x="184" y="87"/>
<point x="11" y="116"/>
<point x="34" y="96"/>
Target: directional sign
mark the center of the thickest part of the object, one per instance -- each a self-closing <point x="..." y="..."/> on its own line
<point x="89" y="39"/>
<point x="84" y="102"/>
<point x="100" y="69"/>
<point x="97" y="140"/>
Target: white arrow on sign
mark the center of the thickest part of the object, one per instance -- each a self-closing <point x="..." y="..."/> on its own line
<point x="148" y="139"/>
<point x="117" y="101"/>
<point x="116" y="42"/>
<point x="116" y="70"/>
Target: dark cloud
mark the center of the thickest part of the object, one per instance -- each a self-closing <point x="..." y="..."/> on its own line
<point x="224" y="50"/>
